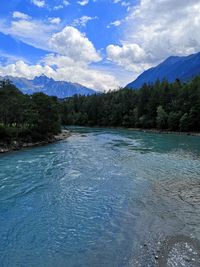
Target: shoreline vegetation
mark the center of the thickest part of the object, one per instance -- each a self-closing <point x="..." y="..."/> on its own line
<point x="27" y="120"/>
<point x="32" y="120"/>
<point x="154" y="131"/>
<point x="163" y="106"/>
<point x="64" y="134"/>
<point x="20" y="144"/>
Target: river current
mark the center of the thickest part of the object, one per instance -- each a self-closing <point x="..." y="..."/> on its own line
<point x="103" y="197"/>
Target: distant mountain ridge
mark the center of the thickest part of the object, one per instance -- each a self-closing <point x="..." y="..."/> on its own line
<point x="49" y="86"/>
<point x="174" y="67"/>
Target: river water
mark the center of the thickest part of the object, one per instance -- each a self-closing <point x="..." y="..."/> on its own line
<point x="103" y="197"/>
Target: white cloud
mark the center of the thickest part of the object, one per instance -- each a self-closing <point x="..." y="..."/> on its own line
<point x="55" y="20"/>
<point x="21" y="69"/>
<point x="71" y="61"/>
<point x="161" y="28"/>
<point x="123" y="3"/>
<point x="116" y="1"/>
<point x="70" y="70"/>
<point x="126" y="4"/>
<point x="20" y="15"/>
<point x="73" y="44"/>
<point x="61" y="6"/>
<point x="83" y="2"/>
<point x="58" y="7"/>
<point x="6" y="58"/>
<point x="65" y="70"/>
<point x="66" y="3"/>
<point x="39" y="3"/>
<point x="115" y="23"/>
<point x="126" y="54"/>
<point x="33" y="32"/>
<point x="82" y="21"/>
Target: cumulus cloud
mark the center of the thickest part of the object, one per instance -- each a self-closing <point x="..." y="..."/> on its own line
<point x="20" y="15"/>
<point x="83" y="2"/>
<point x="66" y="3"/>
<point x="39" y="3"/>
<point x="81" y="72"/>
<point x="73" y="54"/>
<point x="58" y="7"/>
<point x="123" y="3"/>
<point x="62" y="68"/>
<point x="70" y="55"/>
<point x="22" y="69"/>
<point x="126" y="54"/>
<point x="161" y="28"/>
<point x="33" y="32"/>
<point x="74" y="44"/>
<point x="55" y="20"/>
<point x="82" y="21"/>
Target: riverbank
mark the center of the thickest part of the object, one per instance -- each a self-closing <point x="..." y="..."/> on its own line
<point x="18" y="145"/>
<point x="157" y="131"/>
<point x="164" y="131"/>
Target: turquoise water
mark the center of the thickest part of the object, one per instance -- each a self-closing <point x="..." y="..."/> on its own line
<point x="101" y="198"/>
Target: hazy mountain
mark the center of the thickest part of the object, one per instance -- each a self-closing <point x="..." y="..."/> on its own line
<point x="49" y="86"/>
<point x="183" y="68"/>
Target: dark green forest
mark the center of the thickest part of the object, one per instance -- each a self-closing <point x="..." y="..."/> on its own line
<point x="29" y="118"/>
<point x="162" y="105"/>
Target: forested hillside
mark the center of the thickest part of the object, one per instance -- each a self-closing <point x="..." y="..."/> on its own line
<point x="164" y="106"/>
<point x="174" y="106"/>
<point x="184" y="68"/>
<point x="24" y="117"/>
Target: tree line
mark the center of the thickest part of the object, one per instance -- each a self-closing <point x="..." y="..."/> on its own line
<point x="165" y="106"/>
<point x="30" y="118"/>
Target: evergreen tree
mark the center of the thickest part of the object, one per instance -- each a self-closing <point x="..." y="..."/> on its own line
<point x="161" y="118"/>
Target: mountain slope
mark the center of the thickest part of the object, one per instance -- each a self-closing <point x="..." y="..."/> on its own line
<point x="49" y="86"/>
<point x="183" y="68"/>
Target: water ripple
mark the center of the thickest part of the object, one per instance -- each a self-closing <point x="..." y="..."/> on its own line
<point x="99" y="199"/>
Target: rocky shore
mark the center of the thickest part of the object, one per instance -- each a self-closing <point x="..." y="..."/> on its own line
<point x="17" y="145"/>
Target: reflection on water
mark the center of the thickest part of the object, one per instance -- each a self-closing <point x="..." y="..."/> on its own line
<point x="101" y="198"/>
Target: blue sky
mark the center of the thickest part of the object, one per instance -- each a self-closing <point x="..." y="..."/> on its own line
<point x="102" y="44"/>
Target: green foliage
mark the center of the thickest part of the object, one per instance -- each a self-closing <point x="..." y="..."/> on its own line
<point x="27" y="117"/>
<point x="45" y="114"/>
<point x="163" y="105"/>
<point x="173" y="120"/>
<point x="184" y="123"/>
<point x="161" y="118"/>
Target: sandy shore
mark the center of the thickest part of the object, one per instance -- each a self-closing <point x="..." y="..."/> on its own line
<point x="17" y="145"/>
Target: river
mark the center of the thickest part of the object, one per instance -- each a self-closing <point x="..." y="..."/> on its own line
<point x="103" y="197"/>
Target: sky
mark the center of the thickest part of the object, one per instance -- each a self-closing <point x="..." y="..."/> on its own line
<point x="101" y="44"/>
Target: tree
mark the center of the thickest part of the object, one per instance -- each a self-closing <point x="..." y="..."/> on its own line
<point x="161" y="118"/>
<point x="184" y="123"/>
<point x="160" y="105"/>
<point x="23" y="116"/>
<point x="45" y="116"/>
<point x="173" y="120"/>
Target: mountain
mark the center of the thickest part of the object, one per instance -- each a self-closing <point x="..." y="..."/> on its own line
<point x="182" y="68"/>
<point x="49" y="86"/>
